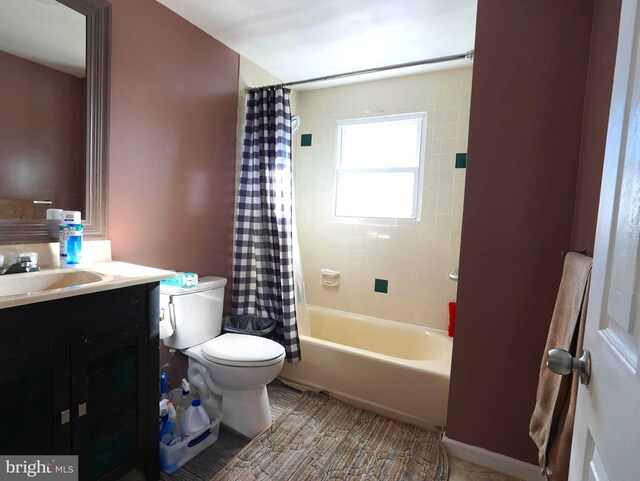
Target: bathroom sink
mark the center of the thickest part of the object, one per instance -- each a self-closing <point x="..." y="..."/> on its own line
<point x="28" y="283"/>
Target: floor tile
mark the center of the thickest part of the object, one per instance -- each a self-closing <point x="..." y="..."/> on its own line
<point x="460" y="470"/>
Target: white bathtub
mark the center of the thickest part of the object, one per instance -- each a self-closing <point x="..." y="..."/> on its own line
<point x="395" y="369"/>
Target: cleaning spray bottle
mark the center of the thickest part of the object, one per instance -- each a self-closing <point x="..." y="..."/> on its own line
<point x="181" y="399"/>
<point x="163" y="385"/>
<point x="167" y="422"/>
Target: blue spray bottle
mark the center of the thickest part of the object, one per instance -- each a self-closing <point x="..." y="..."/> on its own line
<point x="70" y="238"/>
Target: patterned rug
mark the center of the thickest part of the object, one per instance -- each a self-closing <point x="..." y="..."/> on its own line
<point x="321" y="438"/>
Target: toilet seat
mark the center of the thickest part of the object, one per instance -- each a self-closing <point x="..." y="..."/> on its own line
<point x="242" y="350"/>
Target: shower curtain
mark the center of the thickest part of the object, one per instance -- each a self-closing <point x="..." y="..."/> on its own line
<point x="263" y="280"/>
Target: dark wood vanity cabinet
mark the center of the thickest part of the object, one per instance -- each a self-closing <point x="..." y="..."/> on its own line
<point x="80" y="376"/>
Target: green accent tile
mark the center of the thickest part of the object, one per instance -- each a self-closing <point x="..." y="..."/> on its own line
<point x="381" y="285"/>
<point x="461" y="161"/>
<point x="305" y="140"/>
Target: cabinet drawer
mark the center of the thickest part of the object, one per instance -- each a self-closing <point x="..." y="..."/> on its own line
<point x="36" y="327"/>
<point x="106" y="311"/>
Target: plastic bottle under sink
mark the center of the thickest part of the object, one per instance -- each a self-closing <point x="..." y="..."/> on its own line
<point x="167" y="422"/>
<point x="194" y="419"/>
<point x="181" y="399"/>
<point x="182" y="396"/>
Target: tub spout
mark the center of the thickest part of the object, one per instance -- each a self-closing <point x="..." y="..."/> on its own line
<point x="453" y="275"/>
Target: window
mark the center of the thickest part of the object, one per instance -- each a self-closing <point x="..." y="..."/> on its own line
<point x="379" y="165"/>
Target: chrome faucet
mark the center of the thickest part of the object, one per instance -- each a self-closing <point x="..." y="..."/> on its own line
<point x="26" y="262"/>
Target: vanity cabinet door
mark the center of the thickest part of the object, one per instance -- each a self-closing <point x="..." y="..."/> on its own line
<point x="35" y="401"/>
<point x="80" y="376"/>
<point x="109" y="396"/>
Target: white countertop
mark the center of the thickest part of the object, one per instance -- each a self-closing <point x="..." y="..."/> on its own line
<point x="113" y="275"/>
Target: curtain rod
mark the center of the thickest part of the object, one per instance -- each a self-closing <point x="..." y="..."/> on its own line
<point x="467" y="55"/>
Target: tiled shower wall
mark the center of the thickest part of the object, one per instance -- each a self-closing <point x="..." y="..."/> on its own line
<point x="415" y="256"/>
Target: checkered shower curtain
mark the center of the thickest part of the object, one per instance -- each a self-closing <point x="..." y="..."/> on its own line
<point x="263" y="259"/>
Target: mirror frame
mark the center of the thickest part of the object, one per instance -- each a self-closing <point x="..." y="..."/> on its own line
<point x="98" y="38"/>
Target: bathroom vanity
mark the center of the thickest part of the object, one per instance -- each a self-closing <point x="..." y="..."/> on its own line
<point x="79" y="368"/>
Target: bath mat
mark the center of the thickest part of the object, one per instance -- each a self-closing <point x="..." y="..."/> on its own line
<point x="321" y="439"/>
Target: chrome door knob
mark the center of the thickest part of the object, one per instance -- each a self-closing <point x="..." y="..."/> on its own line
<point x="563" y="363"/>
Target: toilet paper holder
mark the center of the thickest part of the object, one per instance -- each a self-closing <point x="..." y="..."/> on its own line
<point x="166" y="326"/>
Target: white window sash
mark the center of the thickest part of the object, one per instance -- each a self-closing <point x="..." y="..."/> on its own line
<point x="416" y="189"/>
<point x="416" y="170"/>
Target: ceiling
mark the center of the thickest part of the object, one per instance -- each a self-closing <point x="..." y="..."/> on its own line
<point x="301" y="39"/>
<point x="45" y="32"/>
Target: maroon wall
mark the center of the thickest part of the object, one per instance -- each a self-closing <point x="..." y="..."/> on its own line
<point x="524" y="142"/>
<point x="41" y="133"/>
<point x="604" y="41"/>
<point x="174" y="94"/>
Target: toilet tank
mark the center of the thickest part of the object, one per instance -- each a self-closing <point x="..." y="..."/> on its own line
<point x="198" y="311"/>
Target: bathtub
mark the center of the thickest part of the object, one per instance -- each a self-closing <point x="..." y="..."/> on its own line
<point x="394" y="369"/>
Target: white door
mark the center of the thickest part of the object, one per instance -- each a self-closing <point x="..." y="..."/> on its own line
<point x="606" y="442"/>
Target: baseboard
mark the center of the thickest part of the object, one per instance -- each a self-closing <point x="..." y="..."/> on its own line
<point x="497" y="462"/>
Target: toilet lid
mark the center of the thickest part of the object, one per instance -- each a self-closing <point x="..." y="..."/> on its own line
<point x="242" y="350"/>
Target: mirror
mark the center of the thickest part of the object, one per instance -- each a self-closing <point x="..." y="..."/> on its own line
<point x="54" y="64"/>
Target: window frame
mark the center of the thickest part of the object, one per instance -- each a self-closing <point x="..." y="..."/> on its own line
<point x="418" y="171"/>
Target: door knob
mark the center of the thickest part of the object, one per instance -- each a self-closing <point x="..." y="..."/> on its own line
<point x="563" y="363"/>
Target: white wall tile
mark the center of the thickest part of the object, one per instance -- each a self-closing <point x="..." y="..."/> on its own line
<point x="414" y="256"/>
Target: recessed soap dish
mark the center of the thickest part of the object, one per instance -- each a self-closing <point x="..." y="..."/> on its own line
<point x="329" y="278"/>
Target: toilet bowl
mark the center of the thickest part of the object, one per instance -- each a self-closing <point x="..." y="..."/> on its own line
<point x="238" y="373"/>
<point x="230" y="371"/>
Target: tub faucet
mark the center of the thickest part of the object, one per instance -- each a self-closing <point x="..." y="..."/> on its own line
<point x="26" y="262"/>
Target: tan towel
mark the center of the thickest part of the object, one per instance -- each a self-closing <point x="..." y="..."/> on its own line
<point x="551" y="426"/>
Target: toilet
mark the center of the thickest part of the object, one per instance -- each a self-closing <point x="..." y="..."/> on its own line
<point x="230" y="371"/>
